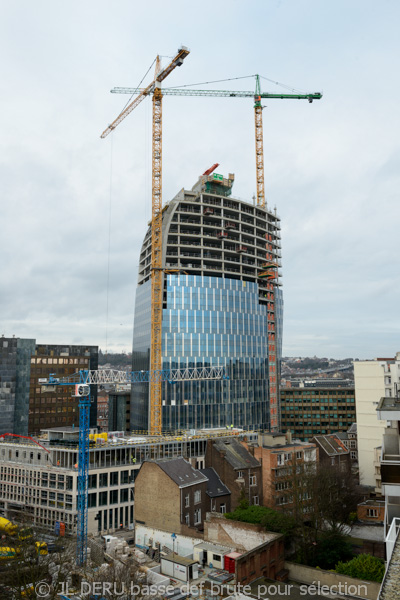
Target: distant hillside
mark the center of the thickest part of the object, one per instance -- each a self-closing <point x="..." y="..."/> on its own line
<point x="115" y="359"/>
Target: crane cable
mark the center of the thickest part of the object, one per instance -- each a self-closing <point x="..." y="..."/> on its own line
<point x="236" y="78"/>
<point x="109" y="243"/>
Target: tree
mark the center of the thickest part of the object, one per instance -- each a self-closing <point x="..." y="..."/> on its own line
<point x="319" y="499"/>
<point x="363" y="566"/>
<point x="337" y="495"/>
<point x="330" y="548"/>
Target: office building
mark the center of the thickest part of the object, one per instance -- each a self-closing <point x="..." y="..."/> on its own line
<point x="308" y="411"/>
<point x="39" y="481"/>
<point x="15" y="364"/>
<point x="218" y="309"/>
<point x="55" y="406"/>
<point x="26" y="405"/>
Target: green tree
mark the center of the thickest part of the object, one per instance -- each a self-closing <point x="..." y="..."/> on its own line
<point x="330" y="548"/>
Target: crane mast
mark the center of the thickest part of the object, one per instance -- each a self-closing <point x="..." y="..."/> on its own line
<point x="259" y="145"/>
<point x="155" y="416"/>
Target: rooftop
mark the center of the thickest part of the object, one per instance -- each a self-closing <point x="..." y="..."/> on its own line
<point x="215" y="487"/>
<point x="213" y="547"/>
<point x="180" y="471"/>
<point x="331" y="444"/>
<point x="236" y="454"/>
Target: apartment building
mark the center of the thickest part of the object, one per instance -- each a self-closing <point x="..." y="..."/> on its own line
<point x="218" y="309"/>
<point x="388" y="410"/>
<point x="332" y="452"/>
<point x="373" y="380"/>
<point x="172" y="496"/>
<point x="237" y="468"/>
<point x="284" y="462"/>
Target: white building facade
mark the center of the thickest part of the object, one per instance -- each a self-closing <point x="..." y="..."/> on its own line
<point x="372" y="381"/>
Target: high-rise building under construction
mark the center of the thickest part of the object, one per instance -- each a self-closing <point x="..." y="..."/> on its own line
<point x="219" y="308"/>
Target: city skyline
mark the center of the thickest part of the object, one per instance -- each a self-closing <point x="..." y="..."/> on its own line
<point x="330" y="167"/>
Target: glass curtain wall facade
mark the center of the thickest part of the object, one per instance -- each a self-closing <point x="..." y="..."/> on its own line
<point x="209" y="321"/>
<point x="216" y="310"/>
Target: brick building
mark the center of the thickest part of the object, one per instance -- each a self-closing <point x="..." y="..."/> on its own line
<point x="237" y="468"/>
<point x="260" y="552"/>
<point x="332" y="452"/>
<point x="172" y="496"/>
<point x="285" y="464"/>
<point x="371" y="511"/>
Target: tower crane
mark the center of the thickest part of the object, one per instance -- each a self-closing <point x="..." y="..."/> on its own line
<point x="258" y="95"/>
<point x="81" y="381"/>
<point x="271" y="273"/>
<point x="154" y="89"/>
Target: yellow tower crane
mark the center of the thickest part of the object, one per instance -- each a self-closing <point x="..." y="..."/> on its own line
<point x="156" y="226"/>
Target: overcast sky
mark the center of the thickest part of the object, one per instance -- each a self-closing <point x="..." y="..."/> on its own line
<point x="332" y="168"/>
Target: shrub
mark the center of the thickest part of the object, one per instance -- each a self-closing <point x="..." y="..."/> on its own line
<point x="271" y="519"/>
<point x="363" y="566"/>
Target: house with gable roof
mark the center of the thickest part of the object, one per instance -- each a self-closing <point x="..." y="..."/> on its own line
<point x="172" y="496"/>
<point x="237" y="469"/>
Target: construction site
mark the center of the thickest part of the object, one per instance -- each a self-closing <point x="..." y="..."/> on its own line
<point x="207" y="344"/>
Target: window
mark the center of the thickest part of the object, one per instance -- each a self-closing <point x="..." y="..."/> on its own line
<point x="197" y="496"/>
<point x="91" y="500"/>
<point x="124" y="495"/>
<point x="299" y="455"/>
<point x="124" y="477"/>
<point x="216" y="558"/>
<point x="256" y="501"/>
<point x="92" y="481"/>
<point x="223" y="508"/>
<point x="187" y="519"/>
<point x="253" y="480"/>
<point x="103" y="480"/>
<point x="103" y="499"/>
<point x="114" y="497"/>
<point x="187" y="501"/>
<point x="372" y="512"/>
<point x="114" y="478"/>
<point x="240" y="474"/>
<point x="197" y="516"/>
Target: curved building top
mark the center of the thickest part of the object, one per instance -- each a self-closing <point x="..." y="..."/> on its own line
<point x="207" y="232"/>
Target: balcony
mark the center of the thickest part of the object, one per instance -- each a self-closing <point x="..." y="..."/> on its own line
<point x="389" y="409"/>
<point x="390" y="461"/>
